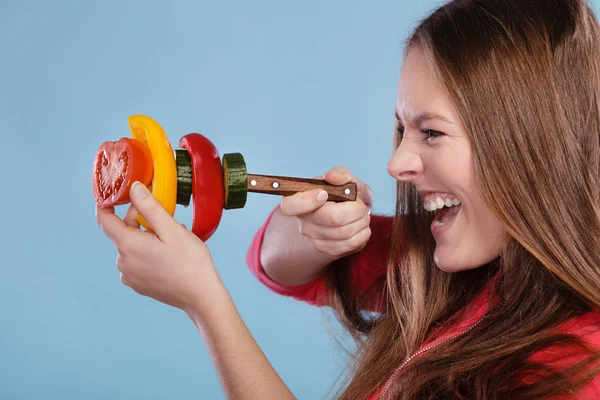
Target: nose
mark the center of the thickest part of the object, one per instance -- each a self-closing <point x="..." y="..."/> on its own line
<point x="405" y="164"/>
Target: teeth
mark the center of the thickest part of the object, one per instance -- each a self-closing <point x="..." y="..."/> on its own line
<point x="438" y="223"/>
<point x="431" y="206"/>
<point x="438" y="204"/>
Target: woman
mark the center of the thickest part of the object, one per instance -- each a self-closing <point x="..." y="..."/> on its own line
<point x="487" y="280"/>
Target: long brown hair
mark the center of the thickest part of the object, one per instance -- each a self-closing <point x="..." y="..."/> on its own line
<point x="524" y="76"/>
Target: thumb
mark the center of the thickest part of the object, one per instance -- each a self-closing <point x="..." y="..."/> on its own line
<point x="341" y="176"/>
<point x="303" y="203"/>
<point x="159" y="220"/>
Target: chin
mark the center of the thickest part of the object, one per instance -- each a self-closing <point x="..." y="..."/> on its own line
<point x="449" y="264"/>
<point x="449" y="267"/>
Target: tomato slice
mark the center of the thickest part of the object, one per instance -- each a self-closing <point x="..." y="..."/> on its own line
<point x="208" y="190"/>
<point x="116" y="166"/>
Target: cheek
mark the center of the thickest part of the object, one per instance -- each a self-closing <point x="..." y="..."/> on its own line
<point x="485" y="239"/>
<point x="491" y="230"/>
<point x="453" y="166"/>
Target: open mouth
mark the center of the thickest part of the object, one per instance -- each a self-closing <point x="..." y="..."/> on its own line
<point x="446" y="206"/>
<point x="446" y="215"/>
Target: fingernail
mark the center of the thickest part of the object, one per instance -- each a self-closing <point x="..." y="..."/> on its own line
<point x="139" y="190"/>
<point x="369" y="211"/>
<point x="322" y="196"/>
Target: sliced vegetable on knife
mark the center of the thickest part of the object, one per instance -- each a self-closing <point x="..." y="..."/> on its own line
<point x="116" y="166"/>
<point x="207" y="184"/>
<point x="193" y="174"/>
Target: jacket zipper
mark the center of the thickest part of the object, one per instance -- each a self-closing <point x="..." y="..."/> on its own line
<point x="421" y="351"/>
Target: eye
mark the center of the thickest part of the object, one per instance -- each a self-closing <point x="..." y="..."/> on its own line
<point x="431" y="134"/>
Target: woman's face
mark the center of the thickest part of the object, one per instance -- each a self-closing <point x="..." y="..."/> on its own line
<point x="435" y="155"/>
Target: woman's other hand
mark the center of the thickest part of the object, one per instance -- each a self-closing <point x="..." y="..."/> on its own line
<point x="169" y="264"/>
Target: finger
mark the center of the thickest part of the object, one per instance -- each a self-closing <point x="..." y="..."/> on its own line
<point x="131" y="217"/>
<point x="161" y="222"/>
<point x="303" y="202"/>
<point x="339" y="248"/>
<point x="111" y="225"/>
<point x="338" y="176"/>
<point x="364" y="193"/>
<point x="338" y="214"/>
<point x="342" y="175"/>
<point x="313" y="231"/>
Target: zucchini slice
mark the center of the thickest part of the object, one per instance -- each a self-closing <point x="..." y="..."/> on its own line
<point x="184" y="177"/>
<point x="236" y="180"/>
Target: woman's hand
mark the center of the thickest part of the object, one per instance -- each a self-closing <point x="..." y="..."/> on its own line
<point x="170" y="264"/>
<point x="335" y="229"/>
<point x="174" y="266"/>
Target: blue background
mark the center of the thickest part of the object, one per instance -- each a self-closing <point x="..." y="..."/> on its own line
<point x="296" y="87"/>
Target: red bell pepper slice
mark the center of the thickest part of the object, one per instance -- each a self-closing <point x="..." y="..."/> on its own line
<point x="117" y="165"/>
<point x="208" y="191"/>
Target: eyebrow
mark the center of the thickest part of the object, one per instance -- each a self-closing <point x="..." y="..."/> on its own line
<point x="425" y="116"/>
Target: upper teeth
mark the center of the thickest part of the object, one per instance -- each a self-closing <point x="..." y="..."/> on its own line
<point x="439" y="204"/>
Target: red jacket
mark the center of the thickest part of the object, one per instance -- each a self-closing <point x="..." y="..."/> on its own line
<point x="367" y="281"/>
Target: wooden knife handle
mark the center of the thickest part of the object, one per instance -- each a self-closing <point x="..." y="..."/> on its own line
<point x="286" y="186"/>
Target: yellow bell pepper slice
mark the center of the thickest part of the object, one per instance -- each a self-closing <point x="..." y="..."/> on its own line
<point x="164" y="181"/>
